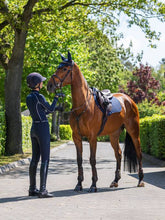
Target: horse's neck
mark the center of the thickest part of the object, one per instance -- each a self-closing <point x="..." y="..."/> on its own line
<point x="79" y="88"/>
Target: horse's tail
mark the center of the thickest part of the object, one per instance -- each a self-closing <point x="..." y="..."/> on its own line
<point x="130" y="157"/>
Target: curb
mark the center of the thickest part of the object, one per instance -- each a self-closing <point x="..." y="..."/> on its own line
<point x="153" y="160"/>
<point x="11" y="166"/>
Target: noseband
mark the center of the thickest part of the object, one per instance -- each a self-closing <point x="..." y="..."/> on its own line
<point x="59" y="85"/>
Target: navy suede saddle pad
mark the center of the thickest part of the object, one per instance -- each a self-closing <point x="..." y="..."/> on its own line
<point x="116" y="106"/>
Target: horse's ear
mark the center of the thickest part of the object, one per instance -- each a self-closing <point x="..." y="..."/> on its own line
<point x="62" y="57"/>
<point x="69" y="56"/>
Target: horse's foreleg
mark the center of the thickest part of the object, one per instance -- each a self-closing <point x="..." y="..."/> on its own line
<point x="93" y="145"/>
<point x="78" y="144"/>
<point x="115" y="144"/>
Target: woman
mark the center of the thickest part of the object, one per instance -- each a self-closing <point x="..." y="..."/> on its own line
<point x="40" y="135"/>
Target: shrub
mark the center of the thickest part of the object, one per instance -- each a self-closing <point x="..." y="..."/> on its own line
<point x="145" y="135"/>
<point x="103" y="138"/>
<point x="122" y="136"/>
<point x="65" y="132"/>
<point x="153" y="136"/>
<point x="148" y="109"/>
<point x="26" y="126"/>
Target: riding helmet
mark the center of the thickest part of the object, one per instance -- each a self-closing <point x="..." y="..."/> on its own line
<point x="33" y="79"/>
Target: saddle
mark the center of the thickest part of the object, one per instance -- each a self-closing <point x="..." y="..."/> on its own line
<point x="103" y="101"/>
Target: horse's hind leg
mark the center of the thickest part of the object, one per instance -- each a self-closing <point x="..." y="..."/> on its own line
<point x="114" y="138"/>
<point x="133" y="131"/>
<point x="93" y="145"/>
<point x="78" y="143"/>
<point x="136" y="141"/>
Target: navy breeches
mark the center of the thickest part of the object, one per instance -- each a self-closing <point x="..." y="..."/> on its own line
<point x="40" y="137"/>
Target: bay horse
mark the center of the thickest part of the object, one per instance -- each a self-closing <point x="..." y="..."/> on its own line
<point x="86" y="120"/>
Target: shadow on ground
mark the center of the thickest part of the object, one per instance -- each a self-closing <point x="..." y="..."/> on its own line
<point x="154" y="178"/>
<point x="62" y="193"/>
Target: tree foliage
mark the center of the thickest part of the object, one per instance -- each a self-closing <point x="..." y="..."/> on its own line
<point x="143" y="85"/>
<point x="159" y="74"/>
<point x="104" y="62"/>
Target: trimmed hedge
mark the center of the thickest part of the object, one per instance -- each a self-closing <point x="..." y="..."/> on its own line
<point x="65" y="132"/>
<point x="2" y="133"/>
<point x="152" y="134"/>
<point x="26" y="126"/>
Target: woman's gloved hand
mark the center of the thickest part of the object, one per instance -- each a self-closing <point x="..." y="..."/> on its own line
<point x="60" y="94"/>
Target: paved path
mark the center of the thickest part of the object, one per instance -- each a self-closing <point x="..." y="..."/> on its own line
<point x="128" y="202"/>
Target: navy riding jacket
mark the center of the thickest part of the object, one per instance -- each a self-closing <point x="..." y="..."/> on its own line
<point x="39" y="107"/>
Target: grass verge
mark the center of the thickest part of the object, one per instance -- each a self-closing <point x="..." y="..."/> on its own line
<point x="27" y="153"/>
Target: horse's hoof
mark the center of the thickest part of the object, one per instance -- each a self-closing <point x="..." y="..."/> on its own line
<point x="141" y="184"/>
<point x="78" y="188"/>
<point x="113" y="184"/>
<point x="92" y="189"/>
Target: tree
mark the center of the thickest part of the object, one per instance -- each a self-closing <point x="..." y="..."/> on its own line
<point x="160" y="74"/>
<point x="143" y="85"/>
<point x="17" y="18"/>
<point x="104" y="62"/>
<point x="13" y="67"/>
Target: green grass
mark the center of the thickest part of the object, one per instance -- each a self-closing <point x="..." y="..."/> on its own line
<point x="27" y="153"/>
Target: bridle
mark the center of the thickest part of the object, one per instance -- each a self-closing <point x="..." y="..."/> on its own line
<point x="59" y="85"/>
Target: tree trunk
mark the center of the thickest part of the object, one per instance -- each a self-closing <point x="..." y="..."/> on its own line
<point x="13" y="95"/>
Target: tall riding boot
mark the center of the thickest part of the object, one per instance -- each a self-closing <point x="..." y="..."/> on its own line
<point x="43" y="177"/>
<point x="33" y="191"/>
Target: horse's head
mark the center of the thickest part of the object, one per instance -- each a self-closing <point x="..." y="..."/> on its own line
<point x="63" y="74"/>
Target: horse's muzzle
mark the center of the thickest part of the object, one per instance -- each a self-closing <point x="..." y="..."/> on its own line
<point x="50" y="87"/>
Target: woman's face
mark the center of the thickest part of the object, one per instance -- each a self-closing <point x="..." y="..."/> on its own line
<point x="41" y="85"/>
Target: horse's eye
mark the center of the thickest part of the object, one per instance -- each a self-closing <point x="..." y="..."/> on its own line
<point x="65" y="69"/>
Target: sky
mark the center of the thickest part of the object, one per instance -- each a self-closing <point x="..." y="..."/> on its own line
<point x="151" y="56"/>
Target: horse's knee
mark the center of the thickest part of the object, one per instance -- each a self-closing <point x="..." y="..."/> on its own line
<point x="94" y="179"/>
<point x="92" y="161"/>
